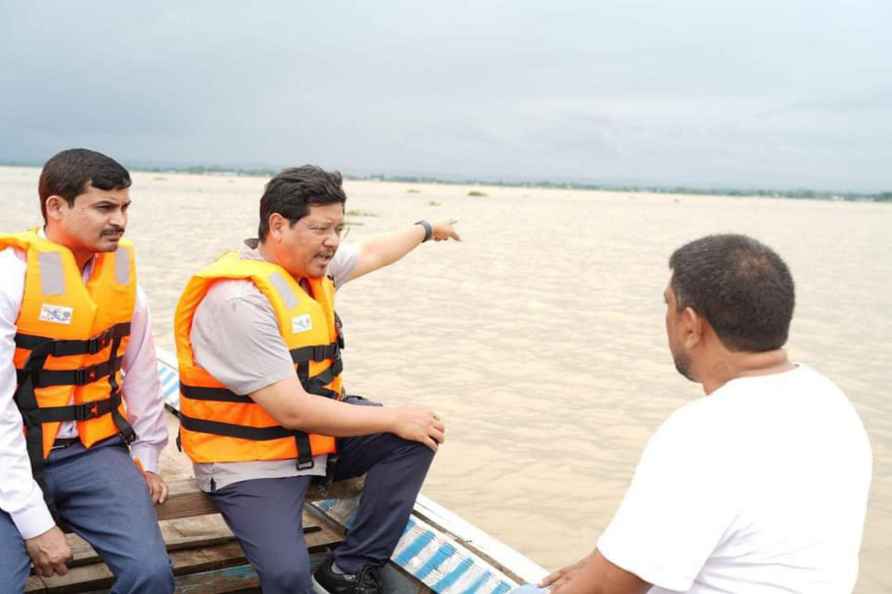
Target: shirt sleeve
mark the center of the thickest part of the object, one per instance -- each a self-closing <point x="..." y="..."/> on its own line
<point x="676" y="509"/>
<point x="142" y="388"/>
<point x="20" y="496"/>
<point x="235" y="337"/>
<point x="341" y="266"/>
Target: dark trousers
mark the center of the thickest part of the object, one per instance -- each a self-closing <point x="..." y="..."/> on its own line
<point x="100" y="493"/>
<point x="267" y="514"/>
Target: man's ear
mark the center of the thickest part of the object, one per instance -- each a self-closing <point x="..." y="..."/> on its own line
<point x="692" y="325"/>
<point x="54" y="207"/>
<point x="276" y="223"/>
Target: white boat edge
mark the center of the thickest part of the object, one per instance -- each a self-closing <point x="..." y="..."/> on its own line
<point x="438" y="547"/>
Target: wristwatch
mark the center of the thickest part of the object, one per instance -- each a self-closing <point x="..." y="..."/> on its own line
<point x="428" y="229"/>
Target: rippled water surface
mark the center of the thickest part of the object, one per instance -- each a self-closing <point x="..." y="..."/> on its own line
<point x="540" y="337"/>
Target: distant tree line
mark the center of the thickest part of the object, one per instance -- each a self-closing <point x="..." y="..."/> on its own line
<point x="214" y="170"/>
<point x="269" y="172"/>
<point x="796" y="194"/>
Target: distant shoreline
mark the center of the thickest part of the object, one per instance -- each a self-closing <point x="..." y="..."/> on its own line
<point x="800" y="194"/>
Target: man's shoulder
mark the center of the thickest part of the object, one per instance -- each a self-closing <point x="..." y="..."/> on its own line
<point x="233" y="289"/>
<point x="232" y="301"/>
<point x="12" y="270"/>
<point x="810" y="378"/>
<point x="690" y="416"/>
<point x="343" y="263"/>
<point x="683" y="433"/>
<point x="783" y="392"/>
<point x="12" y="256"/>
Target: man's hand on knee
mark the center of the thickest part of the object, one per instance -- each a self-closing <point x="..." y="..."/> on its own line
<point x="49" y="552"/>
<point x="419" y="424"/>
<point x="157" y="487"/>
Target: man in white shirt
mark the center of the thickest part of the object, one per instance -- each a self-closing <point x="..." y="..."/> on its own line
<point x="760" y="487"/>
<point x="87" y="478"/>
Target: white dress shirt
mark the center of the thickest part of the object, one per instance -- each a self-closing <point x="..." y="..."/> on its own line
<point x="20" y="496"/>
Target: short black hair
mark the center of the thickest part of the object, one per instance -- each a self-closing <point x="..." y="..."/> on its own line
<point x="294" y="190"/>
<point x="67" y="174"/>
<point x="741" y="286"/>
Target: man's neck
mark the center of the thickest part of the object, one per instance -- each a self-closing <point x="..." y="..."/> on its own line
<point x="736" y="365"/>
<point x="81" y="257"/>
<point x="265" y="252"/>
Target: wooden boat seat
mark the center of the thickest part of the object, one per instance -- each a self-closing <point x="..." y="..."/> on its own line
<point x="205" y="555"/>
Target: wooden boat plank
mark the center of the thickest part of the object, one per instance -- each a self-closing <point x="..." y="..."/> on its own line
<point x="438" y="551"/>
<point x="189" y="555"/>
<point x="232" y="580"/>
<point x="185" y="500"/>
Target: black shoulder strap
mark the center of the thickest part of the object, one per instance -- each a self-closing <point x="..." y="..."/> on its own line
<point x="26" y="401"/>
<point x="316" y="384"/>
<point x="124" y="428"/>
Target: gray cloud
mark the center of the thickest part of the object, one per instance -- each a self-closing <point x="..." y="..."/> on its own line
<point x="761" y="93"/>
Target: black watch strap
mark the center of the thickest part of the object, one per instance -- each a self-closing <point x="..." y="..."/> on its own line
<point x="428" y="230"/>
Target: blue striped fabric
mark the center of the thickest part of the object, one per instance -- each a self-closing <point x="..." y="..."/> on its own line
<point x="477" y="585"/>
<point x="415" y="547"/>
<point x="445" y="551"/>
<point x="453" y="576"/>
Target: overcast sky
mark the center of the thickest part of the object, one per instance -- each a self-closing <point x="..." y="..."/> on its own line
<point x="752" y="93"/>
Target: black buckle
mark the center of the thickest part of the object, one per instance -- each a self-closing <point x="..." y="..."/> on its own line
<point x="306" y="465"/>
<point x="339" y="330"/>
<point x="97" y="343"/>
<point x="64" y="442"/>
<point x="129" y="436"/>
<point x="87" y="410"/>
<point x="86" y="375"/>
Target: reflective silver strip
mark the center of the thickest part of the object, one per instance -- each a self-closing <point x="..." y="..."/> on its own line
<point x="52" y="277"/>
<point x="284" y="290"/>
<point x="122" y="266"/>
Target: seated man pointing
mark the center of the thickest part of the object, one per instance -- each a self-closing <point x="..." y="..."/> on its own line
<point x="263" y="405"/>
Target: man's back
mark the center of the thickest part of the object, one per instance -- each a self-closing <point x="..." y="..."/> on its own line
<point x="759" y="487"/>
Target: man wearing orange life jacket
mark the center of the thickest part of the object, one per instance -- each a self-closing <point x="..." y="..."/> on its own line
<point x="263" y="404"/>
<point x="78" y="383"/>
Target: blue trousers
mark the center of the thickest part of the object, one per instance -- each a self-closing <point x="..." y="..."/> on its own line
<point x="101" y="494"/>
<point x="267" y="514"/>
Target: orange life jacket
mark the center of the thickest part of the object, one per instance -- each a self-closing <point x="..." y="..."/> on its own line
<point x="70" y="339"/>
<point x="217" y="425"/>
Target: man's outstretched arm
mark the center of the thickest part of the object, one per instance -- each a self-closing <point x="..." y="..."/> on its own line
<point x="594" y="574"/>
<point x="384" y="250"/>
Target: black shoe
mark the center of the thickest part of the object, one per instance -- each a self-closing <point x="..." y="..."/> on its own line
<point x="326" y="581"/>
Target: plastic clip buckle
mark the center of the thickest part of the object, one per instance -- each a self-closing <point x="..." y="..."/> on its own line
<point x="129" y="436"/>
<point x="88" y="410"/>
<point x="85" y="375"/>
<point x="97" y="343"/>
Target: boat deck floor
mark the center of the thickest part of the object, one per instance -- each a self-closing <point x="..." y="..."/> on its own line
<point x="205" y="555"/>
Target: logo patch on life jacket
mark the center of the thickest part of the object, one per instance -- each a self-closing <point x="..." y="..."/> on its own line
<point x="301" y="323"/>
<point x="57" y="314"/>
